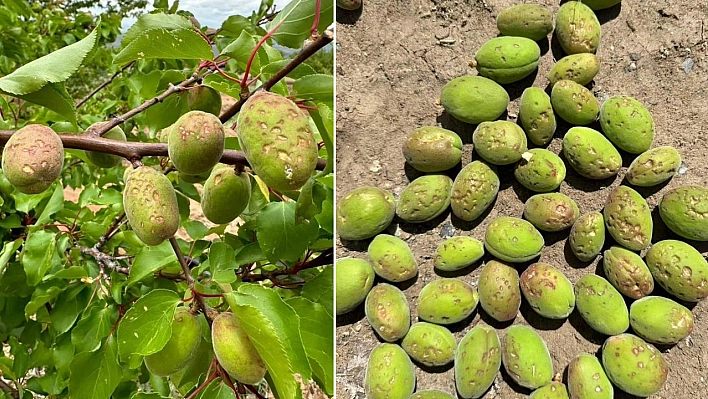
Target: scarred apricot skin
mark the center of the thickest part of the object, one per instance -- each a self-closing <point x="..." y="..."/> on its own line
<point x="33" y="158"/>
<point x="150" y="205"/>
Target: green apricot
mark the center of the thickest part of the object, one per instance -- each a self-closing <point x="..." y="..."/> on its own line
<point x="387" y="312"/>
<point x="684" y="210"/>
<point x="507" y="59"/>
<point x="627" y="124"/>
<point x="680" y="269"/>
<point x="587" y="379"/>
<point x="392" y="258"/>
<point x="536" y="115"/>
<point x="590" y="153"/>
<point x="551" y="211"/>
<point x="277" y="139"/>
<point x="601" y="4"/>
<point x="204" y="98"/>
<point x="601" y="305"/>
<point x="499" y="293"/>
<point x="65" y="127"/>
<point x="424" y="199"/>
<point x="198" y="365"/>
<point x="354" y="279"/>
<point x="235" y="351"/>
<point x="196" y="142"/>
<point x="226" y="194"/>
<point x="525" y="357"/>
<point x="446" y="301"/>
<point x="660" y="320"/>
<point x="627" y="272"/>
<point x="499" y="142"/>
<point x="587" y="236"/>
<point x="628" y="218"/>
<point x="390" y="374"/>
<point x="525" y="20"/>
<point x="430" y="344"/>
<point x="33" y="158"/>
<point x="431" y="394"/>
<point x="474" y="190"/>
<point x="195" y="178"/>
<point x="432" y="149"/>
<point x="513" y="240"/>
<point x="106" y="160"/>
<point x="364" y="212"/>
<point x="654" y="166"/>
<point x="456" y="253"/>
<point x="577" y="28"/>
<point x="634" y="365"/>
<point x="350" y="5"/>
<point x="474" y="99"/>
<point x="540" y="170"/>
<point x="548" y="291"/>
<point x="580" y="68"/>
<point x="477" y="361"/>
<point x="150" y="205"/>
<point x="180" y="348"/>
<point x="554" y="390"/>
<point x="574" y="103"/>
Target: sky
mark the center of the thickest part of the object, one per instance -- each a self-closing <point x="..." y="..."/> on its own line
<point x="212" y="13"/>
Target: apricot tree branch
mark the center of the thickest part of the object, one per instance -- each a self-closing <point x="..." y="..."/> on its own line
<point x="190" y="280"/>
<point x="104" y="84"/>
<point x="134" y="151"/>
<point x="304" y="54"/>
<point x="14" y="393"/>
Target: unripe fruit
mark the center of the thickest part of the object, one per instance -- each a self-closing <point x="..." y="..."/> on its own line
<point x="525" y="357"/>
<point x="587" y="236"/>
<point x="204" y="98"/>
<point x="225" y="195"/>
<point x="548" y="291"/>
<point x="431" y="394"/>
<point x="364" y="212"/>
<point x="507" y="59"/>
<point x="574" y="103"/>
<point x="194" y="178"/>
<point x="577" y="28"/>
<point x="540" y="170"/>
<point x="628" y="218"/>
<point x="196" y="142"/>
<point x="433" y="149"/>
<point x="477" y="361"/>
<point x="601" y="4"/>
<point x="458" y="252"/>
<point x="590" y="153"/>
<point x="661" y="320"/>
<point x="634" y="365"/>
<point x="499" y="293"/>
<point x="150" y="205"/>
<point x="389" y="373"/>
<point x="354" y="278"/>
<point x="580" y="68"/>
<point x="684" y="210"/>
<point x="446" y="301"/>
<point x="554" y="390"/>
<point x="474" y="99"/>
<point x="33" y="158"/>
<point x="278" y="141"/>
<point x="424" y="199"/>
<point x="654" y="166"/>
<point x="392" y="258"/>
<point x="551" y="211"/>
<point x="474" y="190"/>
<point x="513" y="239"/>
<point x="525" y="20"/>
<point x="536" y="115"/>
<point x="429" y="344"/>
<point x="387" y="312"/>
<point x="627" y="123"/>
<point x="680" y="269"/>
<point x="499" y="142"/>
<point x="627" y="272"/>
<point x="235" y="351"/>
<point x="587" y="379"/>
<point x="601" y="305"/>
<point x="181" y="347"/>
<point x="349" y="4"/>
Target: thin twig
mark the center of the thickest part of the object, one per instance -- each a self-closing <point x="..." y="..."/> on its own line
<point x="110" y="232"/>
<point x="14" y="393"/>
<point x="325" y="258"/>
<point x="190" y="280"/>
<point x="304" y="54"/>
<point x="104" y="260"/>
<point x="104" y="84"/>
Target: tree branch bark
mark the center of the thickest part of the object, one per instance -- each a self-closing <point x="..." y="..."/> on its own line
<point x="14" y="393"/>
<point x="304" y="54"/>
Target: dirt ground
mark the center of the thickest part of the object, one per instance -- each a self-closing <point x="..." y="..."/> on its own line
<point x="393" y="58"/>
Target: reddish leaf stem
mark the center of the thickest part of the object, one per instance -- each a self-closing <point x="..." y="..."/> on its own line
<point x="244" y="82"/>
<point x="316" y="22"/>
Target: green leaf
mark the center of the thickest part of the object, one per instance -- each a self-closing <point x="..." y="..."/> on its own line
<point x="315" y="88"/>
<point x="221" y="257"/>
<point x="67" y="308"/>
<point x="147" y="326"/>
<point x="217" y="389"/>
<point x="55" y="204"/>
<point x="305" y="208"/>
<point x="93" y="327"/>
<point x="95" y="374"/>
<point x="183" y="44"/>
<point x="52" y="68"/>
<point x="148" y="22"/>
<point x="38" y="255"/>
<point x="151" y="259"/>
<point x="321" y="289"/>
<point x="278" y="234"/>
<point x="53" y="96"/>
<point x="195" y="229"/>
<point x="249" y="253"/>
<point x="235" y="24"/>
<point x="317" y="328"/>
<point x="8" y="251"/>
<point x="274" y="328"/>
<point x="297" y="19"/>
<point x="299" y="71"/>
<point x="240" y="50"/>
<point x="324" y="120"/>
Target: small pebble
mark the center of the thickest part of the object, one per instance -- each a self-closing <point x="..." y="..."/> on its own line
<point x="635" y="57"/>
<point x="682" y="169"/>
<point x="688" y="65"/>
<point x="447" y="230"/>
<point x="376" y="166"/>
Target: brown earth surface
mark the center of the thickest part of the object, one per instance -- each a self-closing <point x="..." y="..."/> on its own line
<point x="393" y="58"/>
